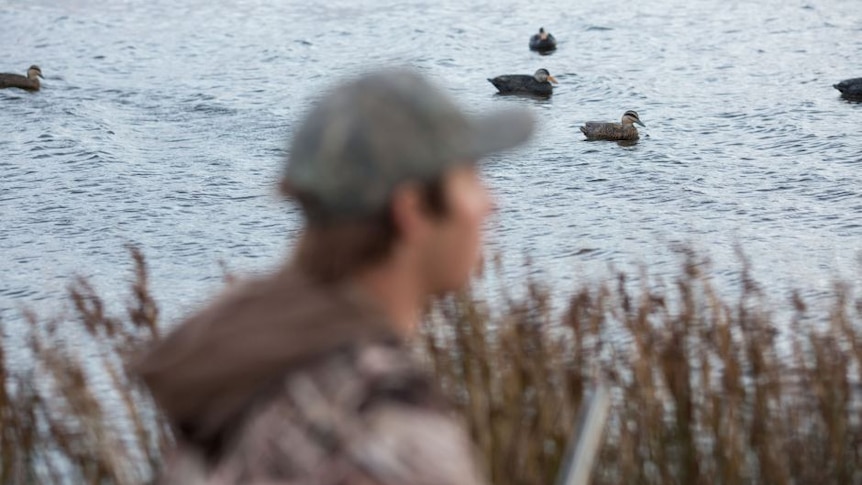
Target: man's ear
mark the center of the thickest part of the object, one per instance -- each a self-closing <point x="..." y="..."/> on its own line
<point x="408" y="213"/>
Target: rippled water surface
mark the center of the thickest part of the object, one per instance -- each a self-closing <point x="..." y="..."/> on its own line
<point x="163" y="123"/>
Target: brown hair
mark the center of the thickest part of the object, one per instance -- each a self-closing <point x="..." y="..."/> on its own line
<point x="332" y="248"/>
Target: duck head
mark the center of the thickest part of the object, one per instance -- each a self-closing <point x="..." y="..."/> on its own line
<point x="33" y="72"/>
<point x="542" y="34"/>
<point x="543" y="76"/>
<point x="630" y="117"/>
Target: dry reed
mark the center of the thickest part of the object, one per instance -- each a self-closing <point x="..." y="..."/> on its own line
<point x="67" y="419"/>
<point x="705" y="390"/>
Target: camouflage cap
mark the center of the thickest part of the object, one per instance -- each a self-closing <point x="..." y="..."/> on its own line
<point x="367" y="136"/>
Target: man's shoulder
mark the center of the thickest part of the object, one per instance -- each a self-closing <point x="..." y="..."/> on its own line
<point x="359" y="376"/>
<point x="367" y="410"/>
<point x="352" y="380"/>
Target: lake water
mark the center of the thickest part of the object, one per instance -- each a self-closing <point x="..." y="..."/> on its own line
<point x="164" y="123"/>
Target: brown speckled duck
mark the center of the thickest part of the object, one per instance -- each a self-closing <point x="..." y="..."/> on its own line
<point x="596" y="130"/>
<point x="30" y="82"/>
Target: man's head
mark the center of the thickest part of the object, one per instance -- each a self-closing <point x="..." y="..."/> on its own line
<point x="384" y="168"/>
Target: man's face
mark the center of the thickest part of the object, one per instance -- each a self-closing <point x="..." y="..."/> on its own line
<point x="453" y="246"/>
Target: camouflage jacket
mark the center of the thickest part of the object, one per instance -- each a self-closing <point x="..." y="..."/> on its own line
<point x="366" y="414"/>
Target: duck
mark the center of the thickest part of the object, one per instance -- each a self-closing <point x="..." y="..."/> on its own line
<point x="850" y="88"/>
<point x="538" y="84"/>
<point x="29" y="83"/>
<point x="596" y="130"/>
<point x="543" y="41"/>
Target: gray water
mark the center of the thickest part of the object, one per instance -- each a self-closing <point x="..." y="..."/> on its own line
<point x="164" y="123"/>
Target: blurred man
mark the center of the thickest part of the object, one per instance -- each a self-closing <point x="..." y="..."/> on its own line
<point x="305" y="376"/>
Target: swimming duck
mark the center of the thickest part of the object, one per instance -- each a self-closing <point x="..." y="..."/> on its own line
<point x="850" y="88"/>
<point x="543" y="41"/>
<point x="538" y="84"/>
<point x="30" y="83"/>
<point x="595" y="130"/>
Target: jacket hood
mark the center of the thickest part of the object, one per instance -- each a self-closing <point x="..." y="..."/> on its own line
<point x="212" y="365"/>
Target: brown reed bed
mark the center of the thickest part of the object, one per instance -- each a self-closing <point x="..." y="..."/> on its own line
<point x="706" y="389"/>
<point x="68" y="418"/>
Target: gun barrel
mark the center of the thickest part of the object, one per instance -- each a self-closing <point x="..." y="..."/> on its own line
<point x="586" y="438"/>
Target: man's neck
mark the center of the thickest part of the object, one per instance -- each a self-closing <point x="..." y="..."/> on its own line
<point x="396" y="291"/>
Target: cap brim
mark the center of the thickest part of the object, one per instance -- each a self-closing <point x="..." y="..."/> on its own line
<point x="501" y="131"/>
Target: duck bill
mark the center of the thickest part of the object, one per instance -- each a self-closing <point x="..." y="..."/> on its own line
<point x="552" y="79"/>
<point x="640" y="123"/>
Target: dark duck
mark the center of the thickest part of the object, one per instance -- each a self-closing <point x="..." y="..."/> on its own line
<point x="30" y="82"/>
<point x="850" y="88"/>
<point x="597" y="130"/>
<point x="538" y="84"/>
<point x="543" y="41"/>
